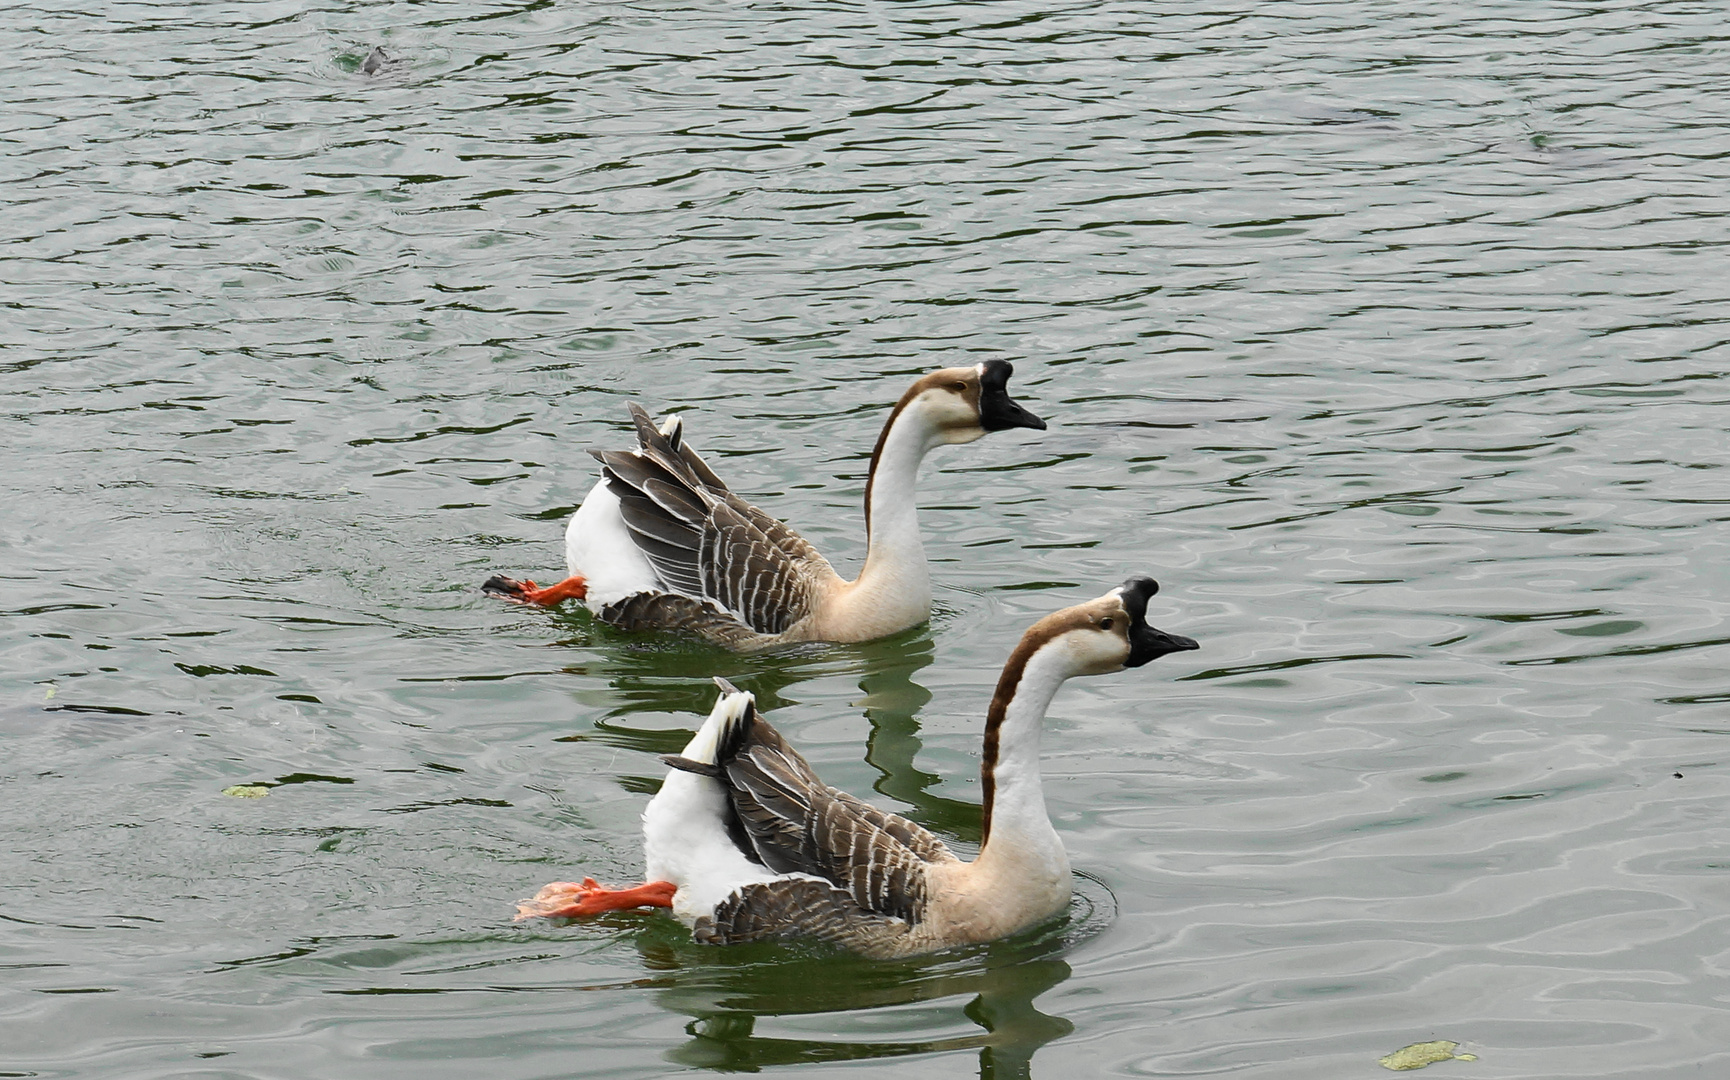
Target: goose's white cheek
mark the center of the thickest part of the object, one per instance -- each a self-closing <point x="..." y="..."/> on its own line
<point x="957" y="435"/>
<point x="955" y="420"/>
<point x="1096" y="652"/>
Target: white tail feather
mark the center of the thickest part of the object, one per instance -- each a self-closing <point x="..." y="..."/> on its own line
<point x="731" y="710"/>
<point x="673" y="430"/>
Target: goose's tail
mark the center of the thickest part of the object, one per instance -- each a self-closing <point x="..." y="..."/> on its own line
<point x="721" y="735"/>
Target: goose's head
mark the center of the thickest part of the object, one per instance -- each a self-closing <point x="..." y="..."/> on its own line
<point x="1107" y="634"/>
<point x="958" y="405"/>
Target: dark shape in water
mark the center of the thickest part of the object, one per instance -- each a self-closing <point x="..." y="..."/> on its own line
<point x="374" y="62"/>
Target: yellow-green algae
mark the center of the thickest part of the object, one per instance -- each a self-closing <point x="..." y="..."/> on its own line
<point x="247" y="791"/>
<point x="1417" y="1055"/>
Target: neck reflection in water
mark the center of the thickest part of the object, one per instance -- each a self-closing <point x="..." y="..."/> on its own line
<point x="729" y="1002"/>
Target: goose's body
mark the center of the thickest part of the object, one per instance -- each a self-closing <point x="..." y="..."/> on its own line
<point x="662" y="543"/>
<point x="745" y="843"/>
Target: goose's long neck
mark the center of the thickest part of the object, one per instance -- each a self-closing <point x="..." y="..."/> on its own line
<point x="894" y="555"/>
<point x="1017" y="829"/>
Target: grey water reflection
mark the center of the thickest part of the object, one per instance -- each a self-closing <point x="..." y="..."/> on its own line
<point x="892" y="702"/>
<point x="661" y="673"/>
<point x="728" y="1003"/>
<point x="670" y="673"/>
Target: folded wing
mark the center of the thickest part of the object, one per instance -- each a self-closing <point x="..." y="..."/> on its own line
<point x="798" y="824"/>
<point x="704" y="542"/>
<point x="796" y="908"/>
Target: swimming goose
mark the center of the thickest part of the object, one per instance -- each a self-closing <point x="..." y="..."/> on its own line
<point x="661" y="543"/>
<point x="745" y="843"/>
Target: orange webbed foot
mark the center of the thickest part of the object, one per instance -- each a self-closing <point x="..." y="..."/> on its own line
<point x="575" y="587"/>
<point x="570" y="900"/>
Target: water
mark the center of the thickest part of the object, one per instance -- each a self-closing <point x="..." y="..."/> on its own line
<point x="1391" y="338"/>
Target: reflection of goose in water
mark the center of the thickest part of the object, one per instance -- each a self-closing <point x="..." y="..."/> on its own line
<point x="744" y="842"/>
<point x="638" y="692"/>
<point x="669" y="682"/>
<point x="661" y="543"/>
<point x="729" y="1008"/>
<point x="754" y="1006"/>
<point x="892" y="704"/>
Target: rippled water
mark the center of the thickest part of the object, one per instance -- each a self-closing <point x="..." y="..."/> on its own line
<point x="1391" y="338"/>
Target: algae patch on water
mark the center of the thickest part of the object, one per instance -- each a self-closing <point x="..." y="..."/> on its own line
<point x="247" y="791"/>
<point x="1417" y="1055"/>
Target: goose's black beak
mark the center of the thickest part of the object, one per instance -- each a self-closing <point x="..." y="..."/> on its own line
<point x="1147" y="642"/>
<point x="997" y="410"/>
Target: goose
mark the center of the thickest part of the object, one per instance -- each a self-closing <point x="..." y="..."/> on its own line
<point x="661" y="543"/>
<point x="744" y="843"/>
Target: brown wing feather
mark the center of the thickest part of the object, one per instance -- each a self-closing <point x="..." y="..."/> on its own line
<point x="706" y="542"/>
<point x="797" y="908"/>
<point x="797" y="823"/>
<point x="672" y="611"/>
<point x="915" y="837"/>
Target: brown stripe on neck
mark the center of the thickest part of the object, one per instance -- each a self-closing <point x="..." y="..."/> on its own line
<point x="1037" y="637"/>
<point x="925" y="382"/>
<point x="877" y="451"/>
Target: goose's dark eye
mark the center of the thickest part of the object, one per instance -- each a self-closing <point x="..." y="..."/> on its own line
<point x="1105" y="623"/>
<point x="958" y="387"/>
